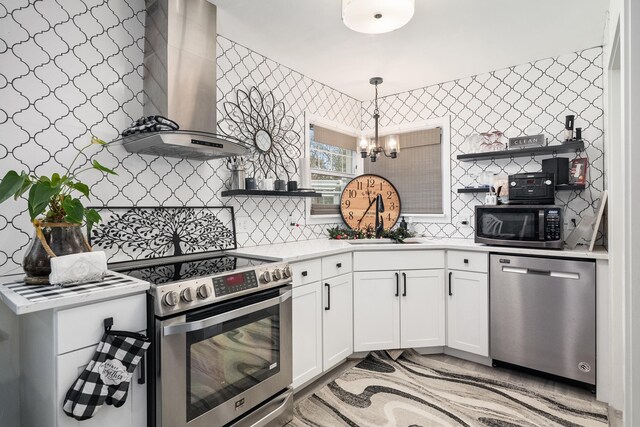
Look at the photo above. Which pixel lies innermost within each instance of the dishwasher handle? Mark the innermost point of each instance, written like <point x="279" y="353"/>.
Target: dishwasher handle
<point x="550" y="273"/>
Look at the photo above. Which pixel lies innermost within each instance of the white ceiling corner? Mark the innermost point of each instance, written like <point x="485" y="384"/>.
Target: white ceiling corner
<point x="445" y="40"/>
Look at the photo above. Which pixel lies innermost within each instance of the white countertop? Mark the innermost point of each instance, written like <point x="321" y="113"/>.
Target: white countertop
<point x="22" y="299"/>
<point x="308" y="249"/>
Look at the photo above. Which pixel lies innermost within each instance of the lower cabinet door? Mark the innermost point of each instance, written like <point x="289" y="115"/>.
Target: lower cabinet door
<point x="132" y="414"/>
<point x="307" y="332"/>
<point x="337" y="320"/>
<point x="422" y="308"/>
<point x="376" y="310"/>
<point x="468" y="312"/>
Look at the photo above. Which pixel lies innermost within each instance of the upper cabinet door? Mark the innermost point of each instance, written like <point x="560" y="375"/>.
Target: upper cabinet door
<point x="376" y="310"/>
<point x="422" y="308"/>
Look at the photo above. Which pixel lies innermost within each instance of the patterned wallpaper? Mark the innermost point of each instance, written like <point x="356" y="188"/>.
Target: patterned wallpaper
<point x="527" y="99"/>
<point x="72" y="69"/>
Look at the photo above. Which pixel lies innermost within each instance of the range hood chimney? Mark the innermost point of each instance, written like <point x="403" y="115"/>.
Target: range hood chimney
<point x="180" y="82"/>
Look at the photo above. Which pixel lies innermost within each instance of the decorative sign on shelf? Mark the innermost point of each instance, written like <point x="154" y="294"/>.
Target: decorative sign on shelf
<point x="527" y="141"/>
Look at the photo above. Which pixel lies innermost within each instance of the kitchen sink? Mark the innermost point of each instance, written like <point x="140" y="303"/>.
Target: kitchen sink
<point x="384" y="241"/>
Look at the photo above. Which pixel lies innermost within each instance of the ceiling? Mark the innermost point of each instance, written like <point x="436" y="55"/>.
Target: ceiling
<point x="445" y="40"/>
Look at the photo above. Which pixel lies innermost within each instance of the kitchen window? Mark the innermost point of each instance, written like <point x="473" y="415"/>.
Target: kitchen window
<point x="422" y="171"/>
<point x="333" y="163"/>
<point x="416" y="172"/>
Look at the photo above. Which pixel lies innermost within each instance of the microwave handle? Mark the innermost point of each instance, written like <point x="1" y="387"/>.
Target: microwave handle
<point x="181" y="328"/>
<point x="541" y="235"/>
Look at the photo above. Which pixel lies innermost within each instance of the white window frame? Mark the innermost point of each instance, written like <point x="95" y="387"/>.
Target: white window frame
<point x="309" y="119"/>
<point x="443" y="123"/>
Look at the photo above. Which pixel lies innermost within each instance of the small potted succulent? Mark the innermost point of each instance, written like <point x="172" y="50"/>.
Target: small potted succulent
<point x="55" y="211"/>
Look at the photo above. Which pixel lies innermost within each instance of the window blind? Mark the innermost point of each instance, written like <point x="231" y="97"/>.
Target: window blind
<point x="416" y="172"/>
<point x="331" y="137"/>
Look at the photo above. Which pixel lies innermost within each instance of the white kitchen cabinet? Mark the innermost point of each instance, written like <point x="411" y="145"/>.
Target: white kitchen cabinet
<point x="337" y="320"/>
<point x="307" y="332"/>
<point x="56" y="346"/>
<point x="468" y="312"/>
<point x="422" y="308"/>
<point x="376" y="311"/>
<point x="398" y="309"/>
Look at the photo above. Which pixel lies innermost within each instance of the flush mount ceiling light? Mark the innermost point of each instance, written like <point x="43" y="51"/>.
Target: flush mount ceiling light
<point x="371" y="147"/>
<point x="376" y="16"/>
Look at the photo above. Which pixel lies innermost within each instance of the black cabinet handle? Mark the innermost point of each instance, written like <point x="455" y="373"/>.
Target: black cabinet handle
<point x="143" y="372"/>
<point x="450" y="274"/>
<point x="404" y="278"/>
<point x="304" y="274"/>
<point x="339" y="265"/>
<point x="397" y="284"/>
<point x="466" y="261"/>
<point x="328" y="307"/>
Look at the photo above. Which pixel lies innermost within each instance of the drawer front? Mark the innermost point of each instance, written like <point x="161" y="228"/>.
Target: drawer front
<point x="468" y="261"/>
<point x="80" y="327"/>
<point x="336" y="265"/>
<point x="305" y="272"/>
<point x="397" y="260"/>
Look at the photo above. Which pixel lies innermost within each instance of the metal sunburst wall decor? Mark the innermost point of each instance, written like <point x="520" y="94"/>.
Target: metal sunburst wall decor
<point x="256" y="118"/>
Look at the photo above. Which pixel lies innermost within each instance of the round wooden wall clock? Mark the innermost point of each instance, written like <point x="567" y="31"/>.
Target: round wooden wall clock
<point x="360" y="197"/>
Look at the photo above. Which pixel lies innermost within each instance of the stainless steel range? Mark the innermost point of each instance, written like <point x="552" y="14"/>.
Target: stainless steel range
<point x="222" y="330"/>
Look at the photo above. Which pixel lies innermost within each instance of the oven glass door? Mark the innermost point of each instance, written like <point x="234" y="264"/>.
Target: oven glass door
<point x="520" y="224"/>
<point x="228" y="358"/>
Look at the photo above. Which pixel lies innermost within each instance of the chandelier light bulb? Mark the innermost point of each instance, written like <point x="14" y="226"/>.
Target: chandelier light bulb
<point x="376" y="16"/>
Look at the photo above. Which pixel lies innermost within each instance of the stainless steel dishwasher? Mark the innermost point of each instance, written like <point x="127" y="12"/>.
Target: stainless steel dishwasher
<point x="543" y="315"/>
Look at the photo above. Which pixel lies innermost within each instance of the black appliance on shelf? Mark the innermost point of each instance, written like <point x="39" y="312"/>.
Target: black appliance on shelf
<point x="537" y="188"/>
<point x="559" y="167"/>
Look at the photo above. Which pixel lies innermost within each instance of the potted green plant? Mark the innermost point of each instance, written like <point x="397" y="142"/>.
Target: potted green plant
<point x="55" y="211"/>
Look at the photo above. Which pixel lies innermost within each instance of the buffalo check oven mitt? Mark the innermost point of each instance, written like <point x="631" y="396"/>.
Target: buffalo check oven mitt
<point x="106" y="378"/>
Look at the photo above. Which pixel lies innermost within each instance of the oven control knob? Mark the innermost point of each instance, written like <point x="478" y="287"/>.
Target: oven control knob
<point x="187" y="295"/>
<point x="265" y="277"/>
<point x="170" y="298"/>
<point x="277" y="274"/>
<point x="204" y="291"/>
<point x="286" y="272"/>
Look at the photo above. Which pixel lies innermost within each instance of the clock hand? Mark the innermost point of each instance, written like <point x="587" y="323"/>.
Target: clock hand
<point x="365" y="212"/>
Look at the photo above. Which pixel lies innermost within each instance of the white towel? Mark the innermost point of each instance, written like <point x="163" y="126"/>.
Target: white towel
<point x="78" y="268"/>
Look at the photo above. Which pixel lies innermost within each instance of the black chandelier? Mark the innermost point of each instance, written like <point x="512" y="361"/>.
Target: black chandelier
<point x="371" y="147"/>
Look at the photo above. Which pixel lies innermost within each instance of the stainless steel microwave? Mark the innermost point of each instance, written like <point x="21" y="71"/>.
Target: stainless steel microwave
<point x="529" y="226"/>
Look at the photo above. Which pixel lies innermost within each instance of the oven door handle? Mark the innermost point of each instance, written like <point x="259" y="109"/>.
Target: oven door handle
<point x="181" y="328"/>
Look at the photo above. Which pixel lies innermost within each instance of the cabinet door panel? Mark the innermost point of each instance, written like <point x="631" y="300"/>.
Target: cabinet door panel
<point x="69" y="367"/>
<point x="376" y="317"/>
<point x="337" y="324"/>
<point x="422" y="308"/>
<point x="468" y="313"/>
<point x="307" y="332"/>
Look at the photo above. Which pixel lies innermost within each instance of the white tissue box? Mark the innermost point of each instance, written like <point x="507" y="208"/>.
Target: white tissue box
<point x="78" y="268"/>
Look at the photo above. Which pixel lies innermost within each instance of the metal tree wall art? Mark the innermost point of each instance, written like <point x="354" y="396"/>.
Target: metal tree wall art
<point x="259" y="120"/>
<point x="183" y="270"/>
<point x="141" y="233"/>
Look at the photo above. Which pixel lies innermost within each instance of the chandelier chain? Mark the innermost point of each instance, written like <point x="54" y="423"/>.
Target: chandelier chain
<point x="375" y="111"/>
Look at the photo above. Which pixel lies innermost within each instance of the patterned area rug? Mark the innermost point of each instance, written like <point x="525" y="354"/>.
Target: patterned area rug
<point x="421" y="391"/>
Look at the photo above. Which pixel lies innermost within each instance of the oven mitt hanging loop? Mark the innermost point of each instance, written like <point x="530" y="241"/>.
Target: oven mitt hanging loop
<point x="106" y="378"/>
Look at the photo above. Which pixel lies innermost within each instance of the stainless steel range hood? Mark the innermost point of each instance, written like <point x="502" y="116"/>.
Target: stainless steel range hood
<point x="180" y="82"/>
